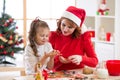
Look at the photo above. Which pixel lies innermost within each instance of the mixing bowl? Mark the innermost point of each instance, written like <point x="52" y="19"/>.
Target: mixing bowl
<point x="113" y="67"/>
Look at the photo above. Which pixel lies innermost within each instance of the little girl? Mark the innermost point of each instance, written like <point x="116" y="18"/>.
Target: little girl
<point x="39" y="50"/>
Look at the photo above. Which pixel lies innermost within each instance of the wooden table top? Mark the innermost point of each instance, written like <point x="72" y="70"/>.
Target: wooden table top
<point x="32" y="78"/>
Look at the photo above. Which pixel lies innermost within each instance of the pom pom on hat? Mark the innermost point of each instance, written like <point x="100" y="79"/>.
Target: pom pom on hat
<point x="77" y="15"/>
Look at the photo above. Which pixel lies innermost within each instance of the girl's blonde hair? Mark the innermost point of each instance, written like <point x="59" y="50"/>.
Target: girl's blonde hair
<point x="33" y="31"/>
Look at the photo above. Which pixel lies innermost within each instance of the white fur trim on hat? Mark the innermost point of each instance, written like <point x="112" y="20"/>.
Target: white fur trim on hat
<point x="72" y="17"/>
<point x="84" y="28"/>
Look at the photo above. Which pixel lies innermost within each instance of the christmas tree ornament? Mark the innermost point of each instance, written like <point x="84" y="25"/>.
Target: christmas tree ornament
<point x="5" y="52"/>
<point x="10" y="42"/>
<point x="10" y="20"/>
<point x="12" y="53"/>
<point x="0" y="35"/>
<point x="3" y="39"/>
<point x="21" y="41"/>
<point x="11" y="37"/>
<point x="16" y="37"/>
<point x="17" y="43"/>
<point x="6" y="24"/>
<point x="16" y="27"/>
<point x="1" y="46"/>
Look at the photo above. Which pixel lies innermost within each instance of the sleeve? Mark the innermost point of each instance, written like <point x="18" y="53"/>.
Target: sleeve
<point x="90" y="57"/>
<point x="48" y="48"/>
<point x="29" y="60"/>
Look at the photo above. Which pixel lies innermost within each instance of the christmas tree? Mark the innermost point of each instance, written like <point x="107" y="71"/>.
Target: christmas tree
<point x="10" y="40"/>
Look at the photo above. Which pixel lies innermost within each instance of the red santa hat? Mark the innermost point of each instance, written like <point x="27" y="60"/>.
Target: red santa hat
<point x="77" y="15"/>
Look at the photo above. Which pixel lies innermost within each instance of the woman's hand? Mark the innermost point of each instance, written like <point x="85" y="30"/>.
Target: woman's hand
<point x="64" y="60"/>
<point x="75" y="59"/>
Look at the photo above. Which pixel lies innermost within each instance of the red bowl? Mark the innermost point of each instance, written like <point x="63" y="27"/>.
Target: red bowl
<point x="113" y="67"/>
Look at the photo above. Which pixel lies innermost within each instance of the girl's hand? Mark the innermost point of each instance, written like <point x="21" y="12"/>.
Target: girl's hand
<point x="53" y="53"/>
<point x="75" y="59"/>
<point x="64" y="60"/>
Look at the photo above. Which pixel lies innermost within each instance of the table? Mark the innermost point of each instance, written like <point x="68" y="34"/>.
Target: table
<point x="6" y="69"/>
<point x="30" y="77"/>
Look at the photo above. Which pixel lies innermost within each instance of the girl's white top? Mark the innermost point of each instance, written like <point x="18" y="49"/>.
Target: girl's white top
<point x="30" y="60"/>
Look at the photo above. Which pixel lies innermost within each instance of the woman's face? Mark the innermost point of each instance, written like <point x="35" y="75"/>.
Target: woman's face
<point x="66" y="27"/>
<point x="42" y="35"/>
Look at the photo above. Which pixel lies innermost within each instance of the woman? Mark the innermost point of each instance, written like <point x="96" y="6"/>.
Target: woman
<point x="73" y="41"/>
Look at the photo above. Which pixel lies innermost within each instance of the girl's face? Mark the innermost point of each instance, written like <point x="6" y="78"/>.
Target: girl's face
<point x="42" y="35"/>
<point x="66" y="27"/>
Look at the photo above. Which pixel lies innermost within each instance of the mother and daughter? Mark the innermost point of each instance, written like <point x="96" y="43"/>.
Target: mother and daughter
<point x="67" y="48"/>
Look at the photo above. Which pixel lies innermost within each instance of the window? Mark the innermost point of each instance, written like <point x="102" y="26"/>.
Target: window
<point x="15" y="9"/>
<point x="24" y="11"/>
